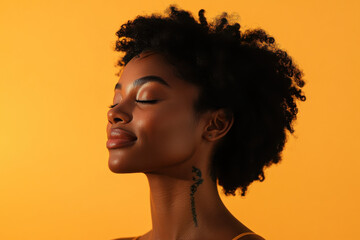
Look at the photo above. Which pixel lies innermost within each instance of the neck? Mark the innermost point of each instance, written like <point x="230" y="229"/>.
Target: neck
<point x="186" y="207"/>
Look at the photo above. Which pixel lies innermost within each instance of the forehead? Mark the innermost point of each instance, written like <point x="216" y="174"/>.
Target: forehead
<point x="151" y="63"/>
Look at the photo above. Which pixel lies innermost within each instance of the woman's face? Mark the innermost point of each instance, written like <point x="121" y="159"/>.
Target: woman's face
<point x="165" y="129"/>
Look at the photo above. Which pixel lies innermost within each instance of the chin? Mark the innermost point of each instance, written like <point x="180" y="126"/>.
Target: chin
<point x="118" y="166"/>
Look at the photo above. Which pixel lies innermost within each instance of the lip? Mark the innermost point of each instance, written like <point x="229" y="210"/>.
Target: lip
<point x="119" y="138"/>
<point x="118" y="143"/>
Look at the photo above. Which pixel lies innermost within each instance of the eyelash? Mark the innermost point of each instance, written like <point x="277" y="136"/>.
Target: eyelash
<point x="139" y="101"/>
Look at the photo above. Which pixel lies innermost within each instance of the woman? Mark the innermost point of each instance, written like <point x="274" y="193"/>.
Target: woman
<point x="199" y="104"/>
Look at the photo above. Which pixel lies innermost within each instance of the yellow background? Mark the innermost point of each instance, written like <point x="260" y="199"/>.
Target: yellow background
<point x="57" y="77"/>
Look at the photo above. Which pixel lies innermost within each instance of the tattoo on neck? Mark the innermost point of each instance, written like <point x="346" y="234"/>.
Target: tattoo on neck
<point x="198" y="180"/>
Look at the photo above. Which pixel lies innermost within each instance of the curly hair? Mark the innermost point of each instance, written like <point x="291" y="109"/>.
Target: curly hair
<point x="243" y="72"/>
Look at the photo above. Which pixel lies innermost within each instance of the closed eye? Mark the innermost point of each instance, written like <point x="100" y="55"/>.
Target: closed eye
<point x="147" y="101"/>
<point x="111" y="106"/>
<point x="139" y="101"/>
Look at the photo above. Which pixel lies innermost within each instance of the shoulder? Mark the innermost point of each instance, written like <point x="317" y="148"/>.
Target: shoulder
<point x="251" y="237"/>
<point x="128" y="238"/>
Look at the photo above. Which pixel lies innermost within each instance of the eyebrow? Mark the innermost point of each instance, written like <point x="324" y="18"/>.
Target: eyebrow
<point x="143" y="80"/>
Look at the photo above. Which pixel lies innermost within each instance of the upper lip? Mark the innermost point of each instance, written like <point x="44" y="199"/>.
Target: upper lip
<point x="121" y="133"/>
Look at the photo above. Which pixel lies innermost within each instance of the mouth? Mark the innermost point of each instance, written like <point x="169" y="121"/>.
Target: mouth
<point x="113" y="143"/>
<point x="119" y="138"/>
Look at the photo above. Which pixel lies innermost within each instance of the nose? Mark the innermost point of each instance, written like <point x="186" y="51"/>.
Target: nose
<point x="118" y="114"/>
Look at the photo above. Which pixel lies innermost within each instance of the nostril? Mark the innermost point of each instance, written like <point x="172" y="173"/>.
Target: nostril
<point x="118" y="120"/>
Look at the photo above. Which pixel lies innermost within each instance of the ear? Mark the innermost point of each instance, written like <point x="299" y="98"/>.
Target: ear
<point x="218" y="125"/>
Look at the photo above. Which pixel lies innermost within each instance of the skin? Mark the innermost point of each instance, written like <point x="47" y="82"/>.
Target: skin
<point x="173" y="150"/>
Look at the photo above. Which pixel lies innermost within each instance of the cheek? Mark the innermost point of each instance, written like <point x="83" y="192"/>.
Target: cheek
<point x="170" y="135"/>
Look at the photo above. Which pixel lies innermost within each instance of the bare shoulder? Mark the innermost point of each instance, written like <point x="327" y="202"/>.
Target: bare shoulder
<point x="145" y="236"/>
<point x="252" y="237"/>
<point x="128" y="238"/>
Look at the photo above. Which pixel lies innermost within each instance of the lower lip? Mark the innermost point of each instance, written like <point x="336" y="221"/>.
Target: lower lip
<point x="118" y="143"/>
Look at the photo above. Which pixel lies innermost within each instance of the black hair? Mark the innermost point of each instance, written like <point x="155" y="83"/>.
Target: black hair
<point x="243" y="72"/>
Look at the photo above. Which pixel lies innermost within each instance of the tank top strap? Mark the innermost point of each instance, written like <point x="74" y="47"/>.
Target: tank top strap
<point x="242" y="234"/>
